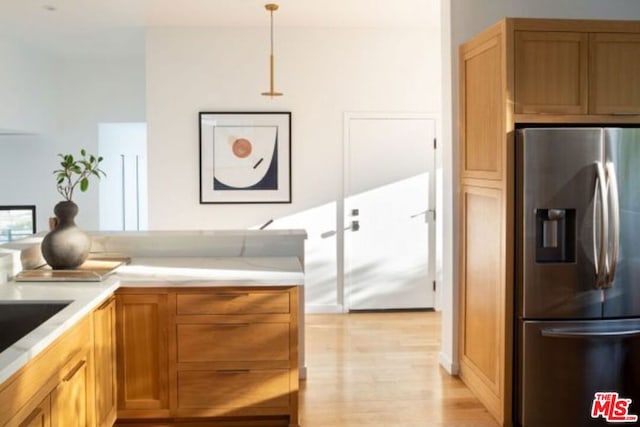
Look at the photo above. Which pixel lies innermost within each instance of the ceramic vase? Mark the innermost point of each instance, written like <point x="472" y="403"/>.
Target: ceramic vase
<point x="66" y="246"/>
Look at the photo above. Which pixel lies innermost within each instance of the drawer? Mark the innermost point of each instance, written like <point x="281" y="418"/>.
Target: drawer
<point x="233" y="389"/>
<point x="232" y="302"/>
<point x="232" y="342"/>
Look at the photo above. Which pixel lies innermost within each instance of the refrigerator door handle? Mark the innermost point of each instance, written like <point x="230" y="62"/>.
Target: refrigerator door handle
<point x="600" y="244"/>
<point x="568" y="333"/>
<point x="612" y="182"/>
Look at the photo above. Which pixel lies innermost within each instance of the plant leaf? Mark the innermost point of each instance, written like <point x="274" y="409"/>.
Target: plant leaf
<point x="84" y="184"/>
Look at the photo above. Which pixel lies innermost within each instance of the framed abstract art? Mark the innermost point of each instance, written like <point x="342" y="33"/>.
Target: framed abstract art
<point x="245" y="157"/>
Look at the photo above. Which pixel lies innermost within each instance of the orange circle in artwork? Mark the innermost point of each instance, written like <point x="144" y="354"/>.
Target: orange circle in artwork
<point x="241" y="147"/>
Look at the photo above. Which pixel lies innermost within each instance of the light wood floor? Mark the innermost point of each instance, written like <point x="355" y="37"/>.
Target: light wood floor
<point x="381" y="370"/>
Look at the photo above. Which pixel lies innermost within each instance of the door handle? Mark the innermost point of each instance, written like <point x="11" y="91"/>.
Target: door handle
<point x="426" y="213"/>
<point x="562" y="333"/>
<point x="600" y="245"/>
<point x="615" y="223"/>
<point x="354" y="226"/>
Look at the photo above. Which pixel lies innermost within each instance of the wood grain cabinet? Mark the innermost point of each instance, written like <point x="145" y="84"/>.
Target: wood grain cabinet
<point x="577" y="72"/>
<point x="522" y="72"/>
<point x="551" y="72"/>
<point x="56" y="388"/>
<point x="104" y="344"/>
<point x="614" y="73"/>
<point x="71" y="399"/>
<point x="38" y="416"/>
<point x="142" y="354"/>
<point x="226" y="354"/>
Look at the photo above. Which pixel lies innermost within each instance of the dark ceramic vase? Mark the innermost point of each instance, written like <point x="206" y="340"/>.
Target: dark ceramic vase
<point x="66" y="246"/>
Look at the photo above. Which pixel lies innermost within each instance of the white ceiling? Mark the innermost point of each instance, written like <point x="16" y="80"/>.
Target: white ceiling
<point x="116" y="27"/>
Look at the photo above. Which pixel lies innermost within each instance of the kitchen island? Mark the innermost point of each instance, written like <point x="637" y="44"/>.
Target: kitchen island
<point x="227" y="323"/>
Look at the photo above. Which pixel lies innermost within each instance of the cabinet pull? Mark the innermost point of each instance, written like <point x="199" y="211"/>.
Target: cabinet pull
<point x="32" y="416"/>
<point x="231" y="295"/>
<point x="75" y="369"/>
<point x="231" y="325"/>
<point x="233" y="371"/>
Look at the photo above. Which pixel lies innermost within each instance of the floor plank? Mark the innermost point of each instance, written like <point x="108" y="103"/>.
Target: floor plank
<point x="381" y="370"/>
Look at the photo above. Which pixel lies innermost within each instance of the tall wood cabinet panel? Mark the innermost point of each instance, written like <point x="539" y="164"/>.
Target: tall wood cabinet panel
<point x="615" y="73"/>
<point x="551" y="72"/>
<point x="482" y="301"/>
<point x="482" y="101"/>
<point x="142" y="356"/>
<point x="518" y="72"/>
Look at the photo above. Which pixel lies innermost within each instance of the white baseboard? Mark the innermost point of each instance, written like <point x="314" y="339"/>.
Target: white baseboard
<point x="449" y="365"/>
<point x="323" y="308"/>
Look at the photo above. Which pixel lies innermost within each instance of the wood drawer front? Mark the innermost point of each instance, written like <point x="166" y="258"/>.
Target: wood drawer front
<point x="233" y="342"/>
<point x="233" y="389"/>
<point x="230" y="302"/>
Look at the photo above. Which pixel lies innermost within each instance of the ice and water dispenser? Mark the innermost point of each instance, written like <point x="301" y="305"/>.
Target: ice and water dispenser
<point x="555" y="235"/>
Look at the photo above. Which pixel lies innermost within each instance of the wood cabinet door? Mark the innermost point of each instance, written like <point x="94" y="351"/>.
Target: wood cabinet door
<point x="40" y="416"/>
<point x="70" y="399"/>
<point x="483" y="295"/>
<point x="482" y="102"/>
<point x="551" y="72"/>
<point x="223" y="390"/>
<point x="142" y="356"/>
<point x="614" y="73"/>
<point x="104" y="325"/>
<point x="233" y="342"/>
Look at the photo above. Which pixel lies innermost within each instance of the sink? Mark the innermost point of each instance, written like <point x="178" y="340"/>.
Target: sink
<point x="18" y="318"/>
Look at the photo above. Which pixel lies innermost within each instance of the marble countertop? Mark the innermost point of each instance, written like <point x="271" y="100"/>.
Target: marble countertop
<point x="141" y="272"/>
<point x="220" y="271"/>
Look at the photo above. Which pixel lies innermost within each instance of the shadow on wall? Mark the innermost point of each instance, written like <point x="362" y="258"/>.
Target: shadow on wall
<point x="321" y="264"/>
<point x="394" y="217"/>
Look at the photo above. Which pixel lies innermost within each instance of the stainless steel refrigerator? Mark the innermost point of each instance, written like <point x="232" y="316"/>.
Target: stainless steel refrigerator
<point x="578" y="275"/>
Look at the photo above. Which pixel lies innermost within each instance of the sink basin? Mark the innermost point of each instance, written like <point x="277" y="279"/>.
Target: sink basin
<point x="18" y="318"/>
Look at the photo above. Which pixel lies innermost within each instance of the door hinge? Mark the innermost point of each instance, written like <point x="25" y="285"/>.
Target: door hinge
<point x="434" y="286"/>
<point x="435" y="143"/>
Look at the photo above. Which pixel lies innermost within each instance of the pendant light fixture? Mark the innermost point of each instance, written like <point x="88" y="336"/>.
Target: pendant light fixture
<point x="271" y="7"/>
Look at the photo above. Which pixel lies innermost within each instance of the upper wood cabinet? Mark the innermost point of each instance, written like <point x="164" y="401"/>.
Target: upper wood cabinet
<point x="482" y="98"/>
<point x="586" y="72"/>
<point x="614" y="73"/>
<point x="551" y="72"/>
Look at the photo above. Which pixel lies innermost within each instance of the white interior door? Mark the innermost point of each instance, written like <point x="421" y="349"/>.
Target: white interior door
<point x="123" y="192"/>
<point x="389" y="212"/>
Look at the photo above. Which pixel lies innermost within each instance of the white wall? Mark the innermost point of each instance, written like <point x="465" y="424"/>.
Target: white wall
<point x="27" y="88"/>
<point x="323" y="72"/>
<point x="77" y="95"/>
<point x="468" y="17"/>
<point x="98" y="91"/>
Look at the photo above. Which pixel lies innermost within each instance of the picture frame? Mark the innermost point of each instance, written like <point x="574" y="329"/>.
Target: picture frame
<point x="245" y="157"/>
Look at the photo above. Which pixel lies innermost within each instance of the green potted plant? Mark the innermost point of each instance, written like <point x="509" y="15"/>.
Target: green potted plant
<point x="66" y="246"/>
<point x="76" y="172"/>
